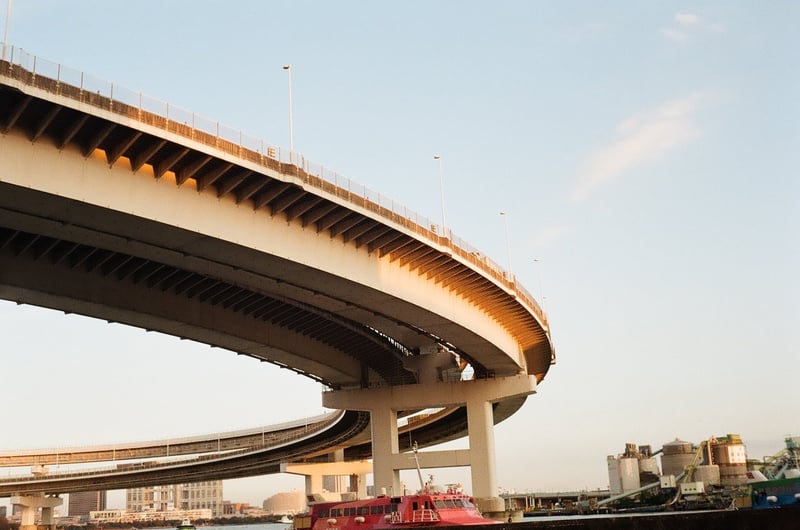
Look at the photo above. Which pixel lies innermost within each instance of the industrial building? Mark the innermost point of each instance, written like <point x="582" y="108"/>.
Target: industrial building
<point x="716" y="462"/>
<point x="714" y="473"/>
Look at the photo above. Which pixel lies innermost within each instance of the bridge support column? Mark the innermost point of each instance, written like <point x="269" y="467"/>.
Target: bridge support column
<point x="480" y="425"/>
<point x="385" y="446"/>
<point x="30" y="506"/>
<point x="313" y="483"/>
<point x="478" y="396"/>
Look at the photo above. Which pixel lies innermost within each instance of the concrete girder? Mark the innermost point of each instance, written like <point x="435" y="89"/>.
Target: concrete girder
<point x="269" y="193"/>
<point x="16" y="113"/>
<point x="210" y="177"/>
<point x="73" y="129"/>
<point x="191" y="169"/>
<point x="303" y="262"/>
<point x="167" y="163"/>
<point x="97" y="138"/>
<point x="231" y="182"/>
<point x="254" y="186"/>
<point x="113" y="156"/>
<point x="303" y="206"/>
<point x="46" y="120"/>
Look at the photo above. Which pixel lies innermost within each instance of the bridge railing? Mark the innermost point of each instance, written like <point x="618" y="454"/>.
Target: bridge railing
<point x="64" y="81"/>
<point x="272" y="440"/>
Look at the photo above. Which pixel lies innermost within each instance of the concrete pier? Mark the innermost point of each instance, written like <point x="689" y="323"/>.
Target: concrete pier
<point x="30" y="506"/>
<point x="478" y="397"/>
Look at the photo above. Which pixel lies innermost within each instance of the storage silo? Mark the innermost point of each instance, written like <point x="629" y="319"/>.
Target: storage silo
<point x="707" y="474"/>
<point x="731" y="457"/>
<point x="614" y="482"/>
<point x="649" y="465"/>
<point x="676" y="455"/>
<point x="629" y="474"/>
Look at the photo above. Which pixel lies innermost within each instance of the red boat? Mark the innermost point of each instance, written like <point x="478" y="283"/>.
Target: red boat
<point x="425" y="509"/>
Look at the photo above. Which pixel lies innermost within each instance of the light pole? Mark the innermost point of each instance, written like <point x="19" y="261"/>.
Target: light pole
<point x="508" y="244"/>
<point x="441" y="191"/>
<point x="539" y="277"/>
<point x="5" y="33"/>
<point x="288" y="68"/>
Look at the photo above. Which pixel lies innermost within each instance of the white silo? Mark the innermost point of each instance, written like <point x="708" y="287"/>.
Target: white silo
<point x="614" y="482"/>
<point x="629" y="474"/>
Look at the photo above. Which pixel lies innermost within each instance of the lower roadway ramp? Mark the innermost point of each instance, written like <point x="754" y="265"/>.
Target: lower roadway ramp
<point x="231" y="455"/>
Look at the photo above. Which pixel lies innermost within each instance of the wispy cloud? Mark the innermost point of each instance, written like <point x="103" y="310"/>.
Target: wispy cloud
<point x="685" y="24"/>
<point x="686" y="19"/>
<point x="642" y="138"/>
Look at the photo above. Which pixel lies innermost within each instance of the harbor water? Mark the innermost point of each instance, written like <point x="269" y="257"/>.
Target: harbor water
<point x="773" y="519"/>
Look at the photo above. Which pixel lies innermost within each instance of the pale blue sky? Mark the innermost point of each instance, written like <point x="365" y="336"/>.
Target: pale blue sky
<point x="646" y="152"/>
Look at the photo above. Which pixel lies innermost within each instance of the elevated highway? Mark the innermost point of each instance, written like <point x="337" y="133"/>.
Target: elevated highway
<point x="156" y="218"/>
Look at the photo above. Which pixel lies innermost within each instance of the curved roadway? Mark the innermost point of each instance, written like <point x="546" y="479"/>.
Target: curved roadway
<point x="120" y="234"/>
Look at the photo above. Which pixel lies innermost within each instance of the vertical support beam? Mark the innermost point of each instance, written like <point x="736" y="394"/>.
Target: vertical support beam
<point x="358" y="483"/>
<point x="480" y="425"/>
<point x="313" y="483"/>
<point x="335" y="483"/>
<point x="384" y="446"/>
<point x="47" y="517"/>
<point x="28" y="517"/>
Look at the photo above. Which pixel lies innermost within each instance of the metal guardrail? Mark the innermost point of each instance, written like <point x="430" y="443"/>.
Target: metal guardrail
<point x="275" y="440"/>
<point x="74" y="84"/>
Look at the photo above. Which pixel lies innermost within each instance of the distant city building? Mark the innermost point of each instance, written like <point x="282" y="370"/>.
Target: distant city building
<point x="287" y="503"/>
<point x="84" y="502"/>
<point x="242" y="509"/>
<point x="125" y="516"/>
<point x="193" y="496"/>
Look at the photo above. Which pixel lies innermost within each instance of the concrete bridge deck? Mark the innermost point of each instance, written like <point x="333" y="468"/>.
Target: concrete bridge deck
<point x="111" y="210"/>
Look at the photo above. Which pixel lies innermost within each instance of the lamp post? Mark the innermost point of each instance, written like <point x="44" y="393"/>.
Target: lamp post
<point x="441" y="191"/>
<point x="5" y="33"/>
<point x="538" y="261"/>
<point x="508" y="244"/>
<point x="288" y="68"/>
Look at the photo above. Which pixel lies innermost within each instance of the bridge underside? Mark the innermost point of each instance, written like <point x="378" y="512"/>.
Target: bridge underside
<point x="109" y="211"/>
<point x="344" y="337"/>
<point x="76" y="269"/>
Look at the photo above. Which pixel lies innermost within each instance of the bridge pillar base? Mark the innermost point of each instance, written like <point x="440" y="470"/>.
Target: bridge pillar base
<point x="492" y="507"/>
<point x="30" y="506"/>
<point x="478" y="396"/>
<point x="314" y="474"/>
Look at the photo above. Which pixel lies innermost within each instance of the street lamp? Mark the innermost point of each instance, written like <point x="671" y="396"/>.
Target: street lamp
<point x="539" y="277"/>
<point x="288" y="68"/>
<point x="441" y="191"/>
<point x="5" y="33"/>
<point x="508" y="244"/>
